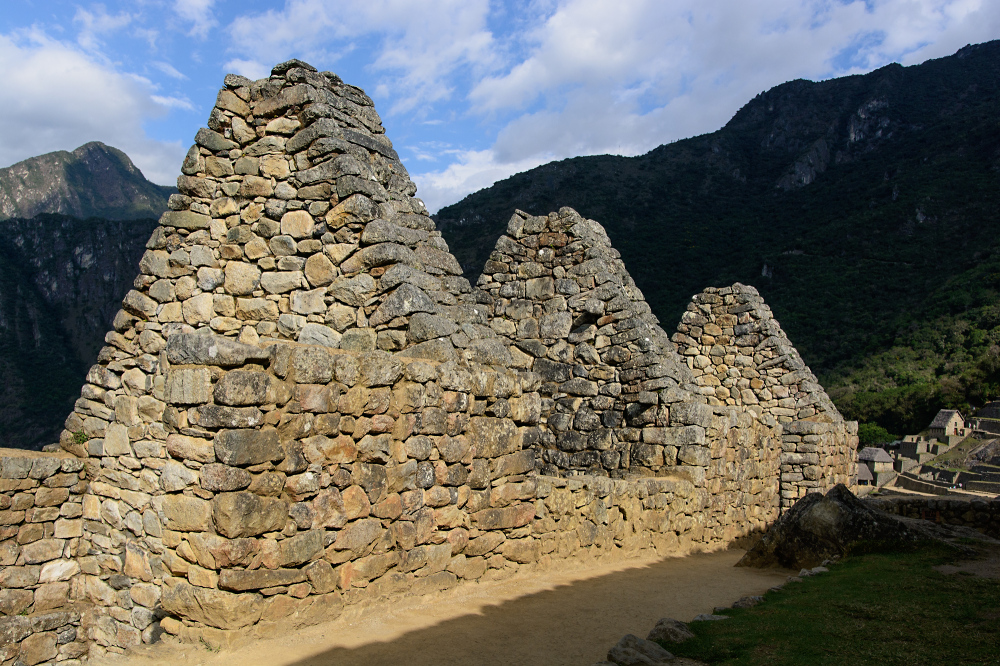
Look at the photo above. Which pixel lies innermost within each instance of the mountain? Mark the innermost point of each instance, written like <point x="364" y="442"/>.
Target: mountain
<point x="73" y="226"/>
<point x="94" y="180"/>
<point x="865" y="209"/>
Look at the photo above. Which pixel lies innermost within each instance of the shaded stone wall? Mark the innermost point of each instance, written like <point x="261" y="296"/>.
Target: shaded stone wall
<point x="41" y="559"/>
<point x="739" y="356"/>
<point x="302" y="404"/>
<point x="980" y="514"/>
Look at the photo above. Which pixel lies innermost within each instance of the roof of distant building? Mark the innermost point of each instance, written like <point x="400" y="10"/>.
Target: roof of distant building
<point x="874" y="454"/>
<point x="942" y="418"/>
<point x="865" y="474"/>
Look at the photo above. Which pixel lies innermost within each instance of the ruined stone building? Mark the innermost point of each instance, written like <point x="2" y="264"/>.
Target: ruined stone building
<point x="303" y="404"/>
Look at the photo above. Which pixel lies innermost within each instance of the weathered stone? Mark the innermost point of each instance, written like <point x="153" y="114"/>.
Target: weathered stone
<point x="822" y="527"/>
<point x="249" y="387"/>
<point x="245" y="447"/>
<point x="190" y="448"/>
<point x="634" y="651"/>
<point x="244" y="514"/>
<point x="187" y="386"/>
<point x="220" y="416"/>
<point x="405" y="300"/>
<point x="506" y="518"/>
<point x="223" y="478"/>
<point x="202" y="349"/>
<point x="184" y="514"/>
<point x="259" y="579"/>
<point x="317" y="334"/>
<point x="300" y="549"/>
<point x="494" y="437"/>
<point x="668" y="630"/>
<point x="215" y="608"/>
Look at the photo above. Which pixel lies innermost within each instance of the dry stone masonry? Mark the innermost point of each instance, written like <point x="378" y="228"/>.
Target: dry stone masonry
<point x="739" y="356"/>
<point x="303" y="405"/>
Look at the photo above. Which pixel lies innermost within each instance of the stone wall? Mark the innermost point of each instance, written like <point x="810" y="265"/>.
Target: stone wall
<point x="302" y="404"/>
<point x="739" y="356"/>
<point x="41" y="508"/>
<point x="980" y="514"/>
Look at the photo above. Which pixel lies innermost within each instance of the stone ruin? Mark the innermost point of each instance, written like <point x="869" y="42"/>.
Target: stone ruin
<point x="303" y="405"/>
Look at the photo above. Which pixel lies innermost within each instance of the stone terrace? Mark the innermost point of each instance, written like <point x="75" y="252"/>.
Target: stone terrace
<point x="303" y="405"/>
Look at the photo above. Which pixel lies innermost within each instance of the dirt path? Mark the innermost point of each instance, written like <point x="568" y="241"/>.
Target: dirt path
<point x="544" y="618"/>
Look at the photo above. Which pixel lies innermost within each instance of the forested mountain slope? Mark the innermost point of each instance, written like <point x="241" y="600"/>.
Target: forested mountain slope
<point x="865" y="210"/>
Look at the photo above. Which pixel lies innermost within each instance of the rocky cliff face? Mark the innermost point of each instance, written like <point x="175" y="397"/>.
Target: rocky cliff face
<point x="61" y="280"/>
<point x="94" y="180"/>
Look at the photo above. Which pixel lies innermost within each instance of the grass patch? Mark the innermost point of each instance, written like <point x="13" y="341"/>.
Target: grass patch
<point x="875" y="608"/>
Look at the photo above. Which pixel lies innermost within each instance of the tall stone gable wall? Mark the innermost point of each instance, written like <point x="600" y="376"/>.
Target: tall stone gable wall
<point x="302" y="404"/>
<point x="740" y="357"/>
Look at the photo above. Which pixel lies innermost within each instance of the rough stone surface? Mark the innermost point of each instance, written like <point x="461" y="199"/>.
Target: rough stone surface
<point x="820" y="527"/>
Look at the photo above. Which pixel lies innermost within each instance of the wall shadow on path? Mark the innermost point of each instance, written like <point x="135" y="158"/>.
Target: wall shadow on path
<point x="574" y="623"/>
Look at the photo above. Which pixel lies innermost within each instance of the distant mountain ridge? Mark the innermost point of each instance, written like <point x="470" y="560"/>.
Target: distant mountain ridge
<point x="95" y="180"/>
<point x="866" y="209"/>
<point x="73" y="226"/>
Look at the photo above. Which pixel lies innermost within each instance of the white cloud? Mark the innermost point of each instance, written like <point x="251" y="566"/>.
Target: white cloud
<point x="198" y="13"/>
<point x="94" y="24"/>
<point x="169" y="70"/>
<point x="418" y="45"/>
<point x="57" y="97"/>
<point x="472" y="170"/>
<point x="248" y="68"/>
<point x="596" y="77"/>
<point x="173" y="102"/>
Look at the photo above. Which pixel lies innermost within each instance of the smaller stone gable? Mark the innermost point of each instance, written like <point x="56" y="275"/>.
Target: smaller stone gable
<point x="740" y="356"/>
<point x="560" y="294"/>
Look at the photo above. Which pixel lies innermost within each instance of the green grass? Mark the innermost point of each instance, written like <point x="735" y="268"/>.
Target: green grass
<point x="878" y="608"/>
<point x="957" y="454"/>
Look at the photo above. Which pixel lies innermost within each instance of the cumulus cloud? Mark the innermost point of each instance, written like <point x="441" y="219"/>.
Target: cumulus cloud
<point x="96" y="23"/>
<point x="58" y="97"/>
<point x="594" y="77"/>
<point x="417" y="45"/>
<point x="470" y="171"/>
<point x="198" y="13"/>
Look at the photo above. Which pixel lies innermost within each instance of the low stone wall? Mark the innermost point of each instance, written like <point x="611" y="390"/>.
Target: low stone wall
<point x="41" y="525"/>
<point x="981" y="515"/>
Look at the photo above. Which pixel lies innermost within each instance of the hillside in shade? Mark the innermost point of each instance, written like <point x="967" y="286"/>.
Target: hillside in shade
<point x="864" y="209"/>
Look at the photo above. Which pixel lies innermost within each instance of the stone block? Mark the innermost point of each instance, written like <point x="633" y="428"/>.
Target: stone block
<point x="259" y="579"/>
<point x="181" y="513"/>
<point x="190" y="448"/>
<point x="244" y="514"/>
<point x="215" y="608"/>
<point x="187" y="386"/>
<point x="246" y="446"/>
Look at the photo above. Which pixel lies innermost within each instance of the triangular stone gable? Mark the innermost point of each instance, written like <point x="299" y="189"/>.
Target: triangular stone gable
<point x="740" y="356"/>
<point x="561" y="294"/>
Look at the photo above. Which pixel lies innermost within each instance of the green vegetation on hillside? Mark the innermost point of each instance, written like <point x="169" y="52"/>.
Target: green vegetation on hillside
<point x="884" y="608"/>
<point x="864" y="209"/>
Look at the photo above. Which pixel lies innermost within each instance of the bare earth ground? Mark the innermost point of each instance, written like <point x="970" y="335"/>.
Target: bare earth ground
<point x="987" y="565"/>
<point x="571" y="615"/>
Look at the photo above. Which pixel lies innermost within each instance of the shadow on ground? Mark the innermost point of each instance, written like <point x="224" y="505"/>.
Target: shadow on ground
<point x="573" y="623"/>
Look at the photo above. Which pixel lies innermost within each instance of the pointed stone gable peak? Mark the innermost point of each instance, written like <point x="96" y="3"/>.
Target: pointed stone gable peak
<point x="293" y="205"/>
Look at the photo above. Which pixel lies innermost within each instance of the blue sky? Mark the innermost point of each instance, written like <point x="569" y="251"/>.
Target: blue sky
<point x="470" y="91"/>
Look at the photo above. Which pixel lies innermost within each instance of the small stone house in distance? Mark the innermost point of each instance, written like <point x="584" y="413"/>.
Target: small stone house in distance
<point x="947" y="423"/>
<point x="878" y="462"/>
